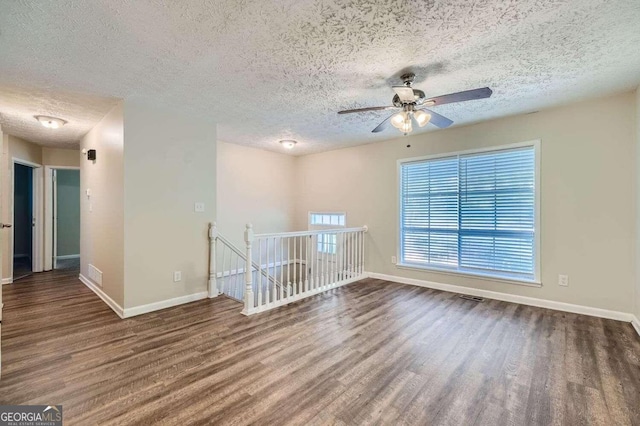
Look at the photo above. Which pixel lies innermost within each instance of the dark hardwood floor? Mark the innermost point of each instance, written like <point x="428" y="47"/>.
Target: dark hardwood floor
<point x="372" y="352"/>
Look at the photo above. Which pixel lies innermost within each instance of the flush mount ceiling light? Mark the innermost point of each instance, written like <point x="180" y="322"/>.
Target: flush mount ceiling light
<point x="50" y="122"/>
<point x="288" y="143"/>
<point x="413" y="102"/>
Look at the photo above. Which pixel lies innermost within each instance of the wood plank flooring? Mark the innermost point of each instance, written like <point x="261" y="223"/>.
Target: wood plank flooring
<point x="372" y="352"/>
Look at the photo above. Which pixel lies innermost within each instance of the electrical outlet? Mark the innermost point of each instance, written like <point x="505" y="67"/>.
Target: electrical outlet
<point x="563" y="280"/>
<point x="177" y="276"/>
<point x="198" y="207"/>
<point x="393" y="260"/>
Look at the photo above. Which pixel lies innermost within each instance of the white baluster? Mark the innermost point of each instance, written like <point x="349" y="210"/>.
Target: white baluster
<point x="340" y="256"/>
<point x="222" y="286"/>
<point x="319" y="260"/>
<point x="300" y="270"/>
<point x="212" y="286"/>
<point x="334" y="255"/>
<point x="314" y="261"/>
<point x="361" y="251"/>
<point x="267" y="252"/>
<point x="248" y="292"/>
<point x="236" y="276"/>
<point x="359" y="241"/>
<point x="363" y="248"/>
<point x="345" y="256"/>
<point x="275" y="271"/>
<point x="353" y="255"/>
<point x="289" y="260"/>
<point x="282" y="283"/>
<point x="306" y="264"/>
<point x="259" y="276"/>
<point x="359" y="261"/>
<point x="270" y="293"/>
<point x="327" y="276"/>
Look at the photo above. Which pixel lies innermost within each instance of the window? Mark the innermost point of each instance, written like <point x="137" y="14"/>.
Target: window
<point x="327" y="243"/>
<point x="327" y="219"/>
<point x="471" y="213"/>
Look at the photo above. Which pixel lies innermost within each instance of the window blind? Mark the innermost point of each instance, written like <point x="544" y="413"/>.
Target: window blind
<point x="471" y="213"/>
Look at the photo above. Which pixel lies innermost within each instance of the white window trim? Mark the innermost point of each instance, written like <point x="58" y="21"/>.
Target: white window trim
<point x="309" y="224"/>
<point x="536" y="282"/>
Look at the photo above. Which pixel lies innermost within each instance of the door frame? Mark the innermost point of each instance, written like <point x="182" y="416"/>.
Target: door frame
<point x="49" y="250"/>
<point x="36" y="236"/>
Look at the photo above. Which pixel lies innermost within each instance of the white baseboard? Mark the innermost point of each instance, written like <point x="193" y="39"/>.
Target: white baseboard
<point x="635" y="322"/>
<point x="142" y="309"/>
<point x="505" y="297"/>
<point x="68" y="256"/>
<point x="7" y="281"/>
<point x="102" y="295"/>
<point x="156" y="306"/>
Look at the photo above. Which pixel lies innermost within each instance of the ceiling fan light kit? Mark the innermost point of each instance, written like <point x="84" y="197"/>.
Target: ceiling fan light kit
<point x="413" y="102"/>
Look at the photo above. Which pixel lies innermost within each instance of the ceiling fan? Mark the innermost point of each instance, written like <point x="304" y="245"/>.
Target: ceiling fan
<point x="413" y="104"/>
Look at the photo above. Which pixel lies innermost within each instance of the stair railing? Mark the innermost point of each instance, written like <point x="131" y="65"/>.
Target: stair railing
<point x="306" y="263"/>
<point x="228" y="267"/>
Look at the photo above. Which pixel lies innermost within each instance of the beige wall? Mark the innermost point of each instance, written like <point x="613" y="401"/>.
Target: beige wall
<point x="7" y="202"/>
<point x="15" y="147"/>
<point x="254" y="186"/>
<point x="170" y="163"/>
<point x="587" y="196"/>
<point x="61" y="157"/>
<point x="24" y="150"/>
<point x="101" y="215"/>
<point x="637" y="253"/>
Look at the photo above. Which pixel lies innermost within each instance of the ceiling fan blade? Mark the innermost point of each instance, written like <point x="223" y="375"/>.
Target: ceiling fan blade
<point x="380" y="108"/>
<point x="380" y="127"/>
<point x="404" y="93"/>
<point x="467" y="95"/>
<point x="437" y="119"/>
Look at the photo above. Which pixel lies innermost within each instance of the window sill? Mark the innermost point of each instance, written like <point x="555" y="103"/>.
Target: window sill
<point x="524" y="282"/>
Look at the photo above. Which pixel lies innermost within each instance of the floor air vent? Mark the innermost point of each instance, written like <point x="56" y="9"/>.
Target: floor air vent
<point x="474" y="298"/>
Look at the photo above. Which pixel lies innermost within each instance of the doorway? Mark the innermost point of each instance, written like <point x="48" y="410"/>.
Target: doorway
<point x="23" y="221"/>
<point x="66" y="218"/>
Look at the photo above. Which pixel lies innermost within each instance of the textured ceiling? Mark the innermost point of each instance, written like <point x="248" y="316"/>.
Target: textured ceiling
<point x="19" y="105"/>
<point x="279" y="69"/>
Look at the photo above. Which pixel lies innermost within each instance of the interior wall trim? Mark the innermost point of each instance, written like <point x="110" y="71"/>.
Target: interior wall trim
<point x="505" y="297"/>
<point x="102" y="295"/>
<point x="163" y="304"/>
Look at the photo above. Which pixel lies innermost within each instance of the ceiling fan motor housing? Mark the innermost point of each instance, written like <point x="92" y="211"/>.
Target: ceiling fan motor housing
<point x="417" y="94"/>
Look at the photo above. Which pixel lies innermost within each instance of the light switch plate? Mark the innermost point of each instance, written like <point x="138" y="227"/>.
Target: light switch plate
<point x="177" y="276"/>
<point x="198" y="207"/>
<point x="563" y="280"/>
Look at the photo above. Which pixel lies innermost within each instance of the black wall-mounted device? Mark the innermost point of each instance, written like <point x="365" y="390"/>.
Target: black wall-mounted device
<point x="91" y="155"/>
